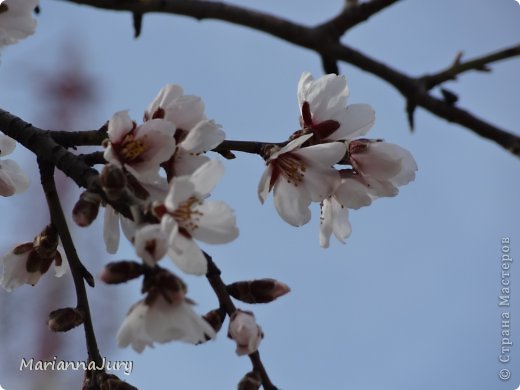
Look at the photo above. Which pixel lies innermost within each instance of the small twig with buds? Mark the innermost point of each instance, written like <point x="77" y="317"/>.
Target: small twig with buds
<point x="479" y="64"/>
<point x="79" y="272"/>
<point x="218" y="285"/>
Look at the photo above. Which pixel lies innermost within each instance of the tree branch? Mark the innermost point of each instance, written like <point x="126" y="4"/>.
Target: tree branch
<point x="76" y="267"/>
<point x="324" y="42"/>
<point x="43" y="146"/>
<point x="478" y="63"/>
<point x="352" y="14"/>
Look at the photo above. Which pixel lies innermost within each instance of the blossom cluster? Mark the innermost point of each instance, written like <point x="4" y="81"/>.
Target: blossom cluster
<point x="302" y="171"/>
<point x="156" y="186"/>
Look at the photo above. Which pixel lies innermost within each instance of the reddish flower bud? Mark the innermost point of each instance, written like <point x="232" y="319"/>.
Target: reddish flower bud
<point x="121" y="272"/>
<point x="63" y="320"/>
<point x="86" y="208"/>
<point x="250" y="381"/>
<point x="258" y="291"/>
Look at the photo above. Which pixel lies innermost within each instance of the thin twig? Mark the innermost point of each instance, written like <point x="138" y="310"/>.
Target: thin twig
<point x="218" y="285"/>
<point x="76" y="267"/>
<point x="478" y="64"/>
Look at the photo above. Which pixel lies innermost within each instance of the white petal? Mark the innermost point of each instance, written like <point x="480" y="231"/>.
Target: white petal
<point x="205" y="136"/>
<point x="60" y="270"/>
<point x="187" y="255"/>
<point x="165" y="96"/>
<point x="133" y="331"/>
<point x="320" y="183"/>
<point x="217" y="224"/>
<point x="150" y="234"/>
<point x="292" y="203"/>
<point x="355" y="121"/>
<point x="265" y="183"/>
<point x="322" y="155"/>
<point x="340" y="223"/>
<point x="17" y="23"/>
<point x="326" y="96"/>
<point x="12" y="178"/>
<point x="14" y="273"/>
<point x="305" y="81"/>
<point x="119" y="125"/>
<point x="185" y="111"/>
<point x="181" y="188"/>
<point x="7" y="145"/>
<point x="186" y="163"/>
<point x="353" y="193"/>
<point x="111" y="229"/>
<point x="206" y="177"/>
<point x="325" y="223"/>
<point x="176" y="321"/>
<point x="294" y="144"/>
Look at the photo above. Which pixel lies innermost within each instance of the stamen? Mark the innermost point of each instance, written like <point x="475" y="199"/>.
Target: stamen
<point x="291" y="167"/>
<point x="186" y="216"/>
<point x="131" y="149"/>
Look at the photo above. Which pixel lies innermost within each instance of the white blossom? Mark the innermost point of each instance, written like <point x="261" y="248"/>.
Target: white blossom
<point x="162" y="321"/>
<point x="186" y="216"/>
<point x="300" y="175"/>
<point x="15" y="264"/>
<point x="195" y="134"/>
<point x="323" y="108"/>
<point x="140" y="149"/>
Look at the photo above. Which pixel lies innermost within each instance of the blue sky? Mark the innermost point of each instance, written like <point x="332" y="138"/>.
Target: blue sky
<point x="411" y="300"/>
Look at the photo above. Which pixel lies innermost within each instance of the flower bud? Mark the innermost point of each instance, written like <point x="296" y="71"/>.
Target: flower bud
<point x="121" y="272"/>
<point x="63" y="320"/>
<point x="86" y="208"/>
<point x="245" y="331"/>
<point x="113" y="181"/>
<point x="250" y="381"/>
<point x="257" y="291"/>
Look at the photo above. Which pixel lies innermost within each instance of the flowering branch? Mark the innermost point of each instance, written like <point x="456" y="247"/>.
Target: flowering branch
<point x="218" y="285"/>
<point x="79" y="272"/>
<point x="323" y="39"/>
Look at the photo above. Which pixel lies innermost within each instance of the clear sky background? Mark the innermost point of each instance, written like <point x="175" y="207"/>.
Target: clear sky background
<point x="411" y="301"/>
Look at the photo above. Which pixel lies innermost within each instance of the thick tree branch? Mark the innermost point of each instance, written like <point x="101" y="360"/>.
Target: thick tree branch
<point x="324" y="42"/>
<point x="43" y="146"/>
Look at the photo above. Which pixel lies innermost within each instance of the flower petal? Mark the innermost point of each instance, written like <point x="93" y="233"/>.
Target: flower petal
<point x="205" y="136"/>
<point x="355" y="121"/>
<point x="217" y="224"/>
<point x="186" y="254"/>
<point x="292" y="203"/>
<point x="206" y="177"/>
<point x="265" y="183"/>
<point x="111" y="229"/>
